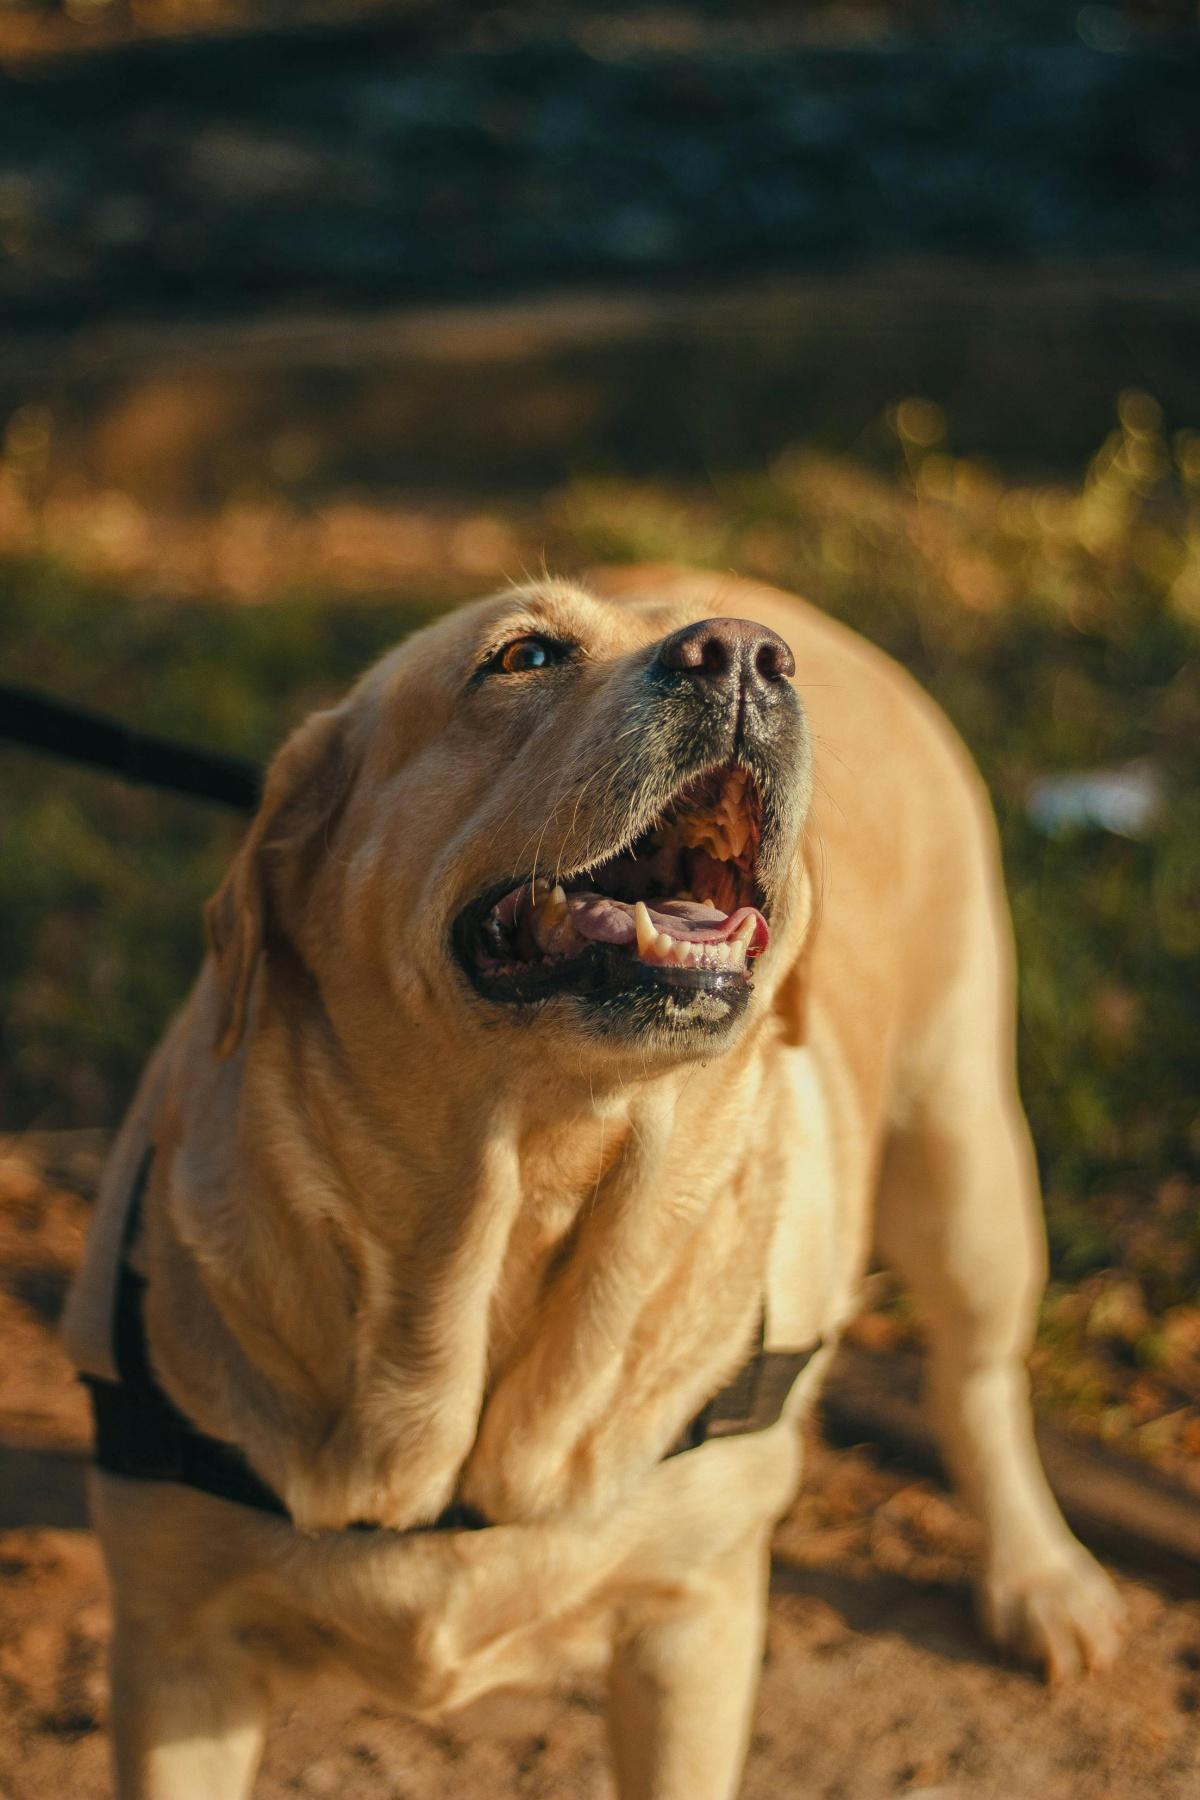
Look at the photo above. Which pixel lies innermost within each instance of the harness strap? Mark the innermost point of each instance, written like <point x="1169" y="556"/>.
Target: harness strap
<point x="753" y="1400"/>
<point x="141" y="1433"/>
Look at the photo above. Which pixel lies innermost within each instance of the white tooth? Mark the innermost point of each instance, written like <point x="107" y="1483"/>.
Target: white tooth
<point x="663" y="945"/>
<point x="721" y="954"/>
<point x="686" y="953"/>
<point x="554" y="907"/>
<point x="645" y="927"/>
<point x="745" y="930"/>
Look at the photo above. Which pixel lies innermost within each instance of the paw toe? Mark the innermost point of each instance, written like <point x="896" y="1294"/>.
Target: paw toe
<point x="1066" y="1617"/>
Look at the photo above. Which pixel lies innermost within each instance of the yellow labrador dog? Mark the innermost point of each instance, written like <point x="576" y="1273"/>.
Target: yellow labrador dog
<point x="597" y="981"/>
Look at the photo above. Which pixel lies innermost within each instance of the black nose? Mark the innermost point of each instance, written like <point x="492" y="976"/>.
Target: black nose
<point x="728" y="654"/>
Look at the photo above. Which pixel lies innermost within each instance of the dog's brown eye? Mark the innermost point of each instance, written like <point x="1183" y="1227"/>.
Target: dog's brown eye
<point x="525" y="656"/>
<point x="526" y="653"/>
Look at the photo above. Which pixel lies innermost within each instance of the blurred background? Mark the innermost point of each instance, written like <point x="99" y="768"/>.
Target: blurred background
<point x="319" y="317"/>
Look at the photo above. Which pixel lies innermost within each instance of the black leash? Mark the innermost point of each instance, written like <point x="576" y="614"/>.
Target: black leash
<point x="39" y="723"/>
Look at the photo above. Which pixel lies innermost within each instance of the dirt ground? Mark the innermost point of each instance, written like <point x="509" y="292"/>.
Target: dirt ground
<point x="876" y="1682"/>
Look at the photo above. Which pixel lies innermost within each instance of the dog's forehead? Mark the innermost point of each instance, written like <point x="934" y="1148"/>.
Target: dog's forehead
<point x="569" y="611"/>
<point x="444" y="653"/>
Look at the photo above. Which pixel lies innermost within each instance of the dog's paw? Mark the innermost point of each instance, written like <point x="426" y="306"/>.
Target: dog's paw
<point x="1065" y="1615"/>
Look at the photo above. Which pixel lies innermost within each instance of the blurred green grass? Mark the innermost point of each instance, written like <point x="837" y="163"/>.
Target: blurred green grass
<point x="101" y="883"/>
<point x="1058" y="624"/>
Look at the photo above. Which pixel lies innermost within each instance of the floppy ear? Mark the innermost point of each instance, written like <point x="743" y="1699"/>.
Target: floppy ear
<point x="305" y="785"/>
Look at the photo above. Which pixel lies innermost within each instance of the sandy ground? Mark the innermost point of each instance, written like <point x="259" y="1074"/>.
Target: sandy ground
<point x="876" y="1682"/>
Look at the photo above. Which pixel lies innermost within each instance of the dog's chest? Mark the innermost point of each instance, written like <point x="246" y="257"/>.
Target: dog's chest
<point x="560" y="1181"/>
<point x="812" y="1269"/>
<point x="540" y="1241"/>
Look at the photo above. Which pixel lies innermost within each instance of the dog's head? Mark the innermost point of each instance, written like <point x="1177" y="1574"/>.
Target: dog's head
<point x="546" y="814"/>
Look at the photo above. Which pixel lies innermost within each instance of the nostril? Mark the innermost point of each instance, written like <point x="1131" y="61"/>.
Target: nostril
<point x="697" y="650"/>
<point x="714" y="656"/>
<point x="773" y="660"/>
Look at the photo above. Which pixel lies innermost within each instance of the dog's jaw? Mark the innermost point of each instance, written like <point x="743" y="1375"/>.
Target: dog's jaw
<point x="660" y="937"/>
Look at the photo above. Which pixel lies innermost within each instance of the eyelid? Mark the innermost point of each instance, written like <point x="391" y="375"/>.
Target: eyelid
<point x="567" y="649"/>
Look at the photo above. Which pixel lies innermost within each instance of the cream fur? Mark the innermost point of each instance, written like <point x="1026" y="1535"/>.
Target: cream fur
<point x="403" y="1247"/>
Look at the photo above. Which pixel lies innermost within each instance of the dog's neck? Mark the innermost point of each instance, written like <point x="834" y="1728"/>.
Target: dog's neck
<point x="491" y="1287"/>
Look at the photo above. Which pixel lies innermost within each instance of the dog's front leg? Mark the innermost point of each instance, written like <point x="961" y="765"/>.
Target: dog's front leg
<point x="684" y="1677"/>
<point x="959" y="1217"/>
<point x="188" y="1717"/>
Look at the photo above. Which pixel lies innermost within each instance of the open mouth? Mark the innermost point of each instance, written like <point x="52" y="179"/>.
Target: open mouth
<point x="681" y="906"/>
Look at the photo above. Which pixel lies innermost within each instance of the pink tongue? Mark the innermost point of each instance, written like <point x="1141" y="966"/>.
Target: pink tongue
<point x="608" y="921"/>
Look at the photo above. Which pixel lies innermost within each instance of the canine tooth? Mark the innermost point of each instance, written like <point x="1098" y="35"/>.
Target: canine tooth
<point x="554" y="906"/>
<point x="643" y="924"/>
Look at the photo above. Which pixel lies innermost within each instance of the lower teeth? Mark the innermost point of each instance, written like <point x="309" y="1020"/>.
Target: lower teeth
<point x="545" y="930"/>
<point x="667" y="952"/>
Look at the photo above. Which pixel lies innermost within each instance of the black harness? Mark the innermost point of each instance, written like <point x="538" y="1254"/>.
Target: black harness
<point x="141" y="1433"/>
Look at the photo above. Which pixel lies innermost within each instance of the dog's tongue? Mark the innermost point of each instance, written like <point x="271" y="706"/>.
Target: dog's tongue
<point x="608" y="921"/>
